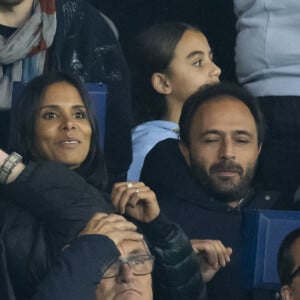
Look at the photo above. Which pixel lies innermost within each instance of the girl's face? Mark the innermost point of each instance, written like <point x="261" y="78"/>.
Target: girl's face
<point x="191" y="67"/>
<point x="62" y="128"/>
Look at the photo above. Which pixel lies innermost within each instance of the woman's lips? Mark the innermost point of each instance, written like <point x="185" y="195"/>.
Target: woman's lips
<point x="69" y="141"/>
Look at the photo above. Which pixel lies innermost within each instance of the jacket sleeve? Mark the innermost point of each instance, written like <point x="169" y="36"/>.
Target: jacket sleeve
<point x="48" y="206"/>
<point x="176" y="273"/>
<point x="79" y="269"/>
<point x="58" y="198"/>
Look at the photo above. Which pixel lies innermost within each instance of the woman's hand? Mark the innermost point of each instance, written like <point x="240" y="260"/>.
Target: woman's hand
<point x="212" y="255"/>
<point x="116" y="227"/>
<point x="136" y="200"/>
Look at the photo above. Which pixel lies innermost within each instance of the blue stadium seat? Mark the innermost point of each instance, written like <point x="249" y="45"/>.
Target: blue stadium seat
<point x="264" y="230"/>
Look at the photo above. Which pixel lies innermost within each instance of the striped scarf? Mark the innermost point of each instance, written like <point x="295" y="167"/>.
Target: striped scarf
<point x="24" y="52"/>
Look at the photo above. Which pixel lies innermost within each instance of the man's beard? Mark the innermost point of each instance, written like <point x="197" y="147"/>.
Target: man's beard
<point x="225" y="189"/>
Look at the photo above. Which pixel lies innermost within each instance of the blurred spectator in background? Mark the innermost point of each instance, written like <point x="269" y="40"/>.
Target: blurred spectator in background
<point x="268" y="64"/>
<point x="70" y="36"/>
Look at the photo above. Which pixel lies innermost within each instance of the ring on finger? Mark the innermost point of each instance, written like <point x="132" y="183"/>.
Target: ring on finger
<point x="129" y="185"/>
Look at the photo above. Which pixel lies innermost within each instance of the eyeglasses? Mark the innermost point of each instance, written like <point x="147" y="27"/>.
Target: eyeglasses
<point x="295" y="273"/>
<point x="140" y="265"/>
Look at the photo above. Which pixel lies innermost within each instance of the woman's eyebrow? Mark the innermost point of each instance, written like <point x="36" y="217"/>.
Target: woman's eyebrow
<point x="195" y="53"/>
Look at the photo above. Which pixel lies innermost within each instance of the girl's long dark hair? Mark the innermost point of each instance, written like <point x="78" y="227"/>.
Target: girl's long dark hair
<point x="154" y="52"/>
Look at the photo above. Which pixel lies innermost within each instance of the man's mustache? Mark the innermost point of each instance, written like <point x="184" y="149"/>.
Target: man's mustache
<point x="226" y="166"/>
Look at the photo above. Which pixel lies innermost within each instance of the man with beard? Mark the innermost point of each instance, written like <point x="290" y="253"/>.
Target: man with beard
<point x="203" y="181"/>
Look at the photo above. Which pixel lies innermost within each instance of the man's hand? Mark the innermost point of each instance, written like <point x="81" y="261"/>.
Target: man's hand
<point x="212" y="255"/>
<point x="116" y="227"/>
<point x="136" y="200"/>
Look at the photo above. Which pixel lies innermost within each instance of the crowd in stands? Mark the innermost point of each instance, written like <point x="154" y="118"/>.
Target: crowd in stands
<point x="158" y="211"/>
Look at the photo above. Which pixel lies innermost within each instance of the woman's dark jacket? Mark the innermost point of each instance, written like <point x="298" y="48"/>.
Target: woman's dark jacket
<point x="39" y="217"/>
<point x="43" y="210"/>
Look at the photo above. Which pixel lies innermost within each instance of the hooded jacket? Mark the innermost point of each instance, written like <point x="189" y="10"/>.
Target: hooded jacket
<point x="202" y="216"/>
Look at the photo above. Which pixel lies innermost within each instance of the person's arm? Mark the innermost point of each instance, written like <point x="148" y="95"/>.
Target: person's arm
<point x="58" y="197"/>
<point x="49" y="205"/>
<point x="176" y="272"/>
<point x="212" y="255"/>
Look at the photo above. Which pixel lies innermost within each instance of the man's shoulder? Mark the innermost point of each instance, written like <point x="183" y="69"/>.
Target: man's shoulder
<point x="165" y="146"/>
<point x="164" y="169"/>
<point x="164" y="153"/>
<point x="264" y="200"/>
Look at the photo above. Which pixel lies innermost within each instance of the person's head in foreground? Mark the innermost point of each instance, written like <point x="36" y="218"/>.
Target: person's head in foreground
<point x="54" y="120"/>
<point x="288" y="266"/>
<point x="172" y="61"/>
<point x="130" y="276"/>
<point x="221" y="131"/>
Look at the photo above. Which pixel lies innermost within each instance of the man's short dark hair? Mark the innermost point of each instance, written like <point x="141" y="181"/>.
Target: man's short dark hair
<point x="285" y="261"/>
<point x="211" y="93"/>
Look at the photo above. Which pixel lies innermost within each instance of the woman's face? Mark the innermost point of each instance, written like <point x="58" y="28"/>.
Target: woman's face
<point x="62" y="128"/>
<point x="191" y="67"/>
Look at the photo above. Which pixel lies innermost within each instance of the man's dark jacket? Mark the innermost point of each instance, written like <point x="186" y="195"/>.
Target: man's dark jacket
<point x="201" y="216"/>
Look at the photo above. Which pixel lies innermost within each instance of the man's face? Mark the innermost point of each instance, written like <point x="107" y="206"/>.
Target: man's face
<point x="223" y="147"/>
<point x="126" y="285"/>
<point x="292" y="291"/>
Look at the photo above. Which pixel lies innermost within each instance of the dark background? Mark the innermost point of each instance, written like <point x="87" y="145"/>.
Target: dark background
<point x="214" y="17"/>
